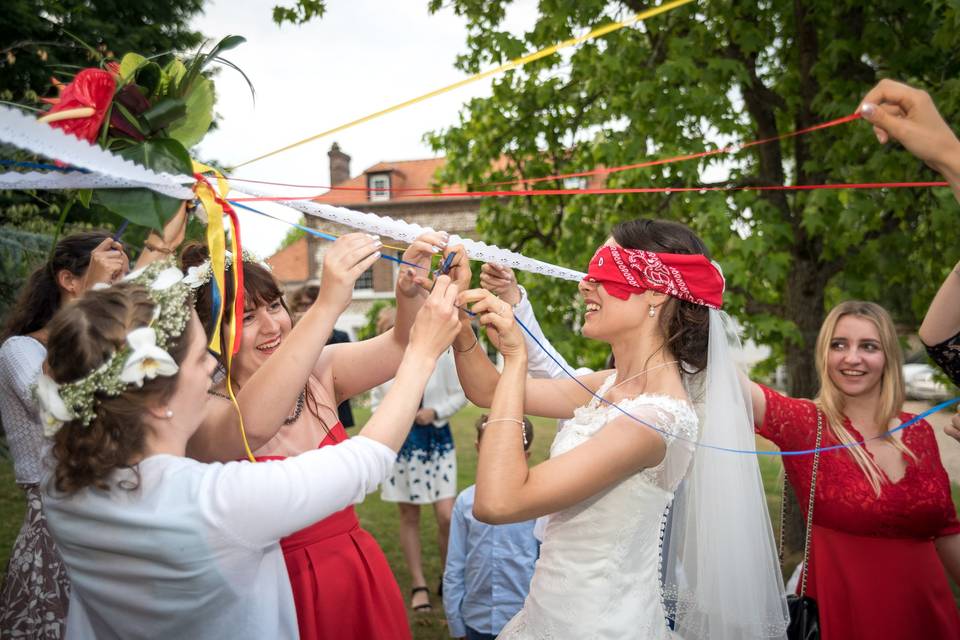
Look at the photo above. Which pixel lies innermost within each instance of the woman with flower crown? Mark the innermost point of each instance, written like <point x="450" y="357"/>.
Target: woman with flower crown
<point x="35" y="591"/>
<point x="288" y="383"/>
<point x="162" y="546"/>
<point x="614" y="473"/>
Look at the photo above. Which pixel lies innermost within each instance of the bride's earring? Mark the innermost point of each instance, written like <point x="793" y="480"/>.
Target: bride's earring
<point x="168" y="414"/>
<point x="652" y="312"/>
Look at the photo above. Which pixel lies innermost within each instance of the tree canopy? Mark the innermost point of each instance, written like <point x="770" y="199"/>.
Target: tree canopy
<point x="698" y="78"/>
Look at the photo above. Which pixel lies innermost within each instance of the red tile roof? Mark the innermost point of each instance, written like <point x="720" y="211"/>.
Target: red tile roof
<point x="290" y="264"/>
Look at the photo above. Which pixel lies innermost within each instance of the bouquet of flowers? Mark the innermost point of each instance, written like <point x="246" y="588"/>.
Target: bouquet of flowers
<point x="144" y="112"/>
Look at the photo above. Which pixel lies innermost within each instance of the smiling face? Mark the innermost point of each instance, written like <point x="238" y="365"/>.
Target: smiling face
<point x="264" y="328"/>
<point x="855" y="359"/>
<point x="608" y="316"/>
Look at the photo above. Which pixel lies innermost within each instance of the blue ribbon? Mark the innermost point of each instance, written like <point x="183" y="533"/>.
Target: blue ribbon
<point x="40" y="165"/>
<point x="801" y="452"/>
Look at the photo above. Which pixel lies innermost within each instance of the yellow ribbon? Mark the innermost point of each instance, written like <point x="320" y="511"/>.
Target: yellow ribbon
<point x="516" y="62"/>
<point x="216" y="246"/>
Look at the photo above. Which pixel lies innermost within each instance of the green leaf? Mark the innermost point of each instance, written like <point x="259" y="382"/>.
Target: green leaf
<point x="84" y="196"/>
<point x="164" y="113"/>
<point x="199" y="115"/>
<point x="173" y="73"/>
<point x="129" y="66"/>
<point x="149" y="76"/>
<point x="142" y="206"/>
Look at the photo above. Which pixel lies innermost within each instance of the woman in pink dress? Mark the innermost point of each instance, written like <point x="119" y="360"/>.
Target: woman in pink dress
<point x="288" y="383"/>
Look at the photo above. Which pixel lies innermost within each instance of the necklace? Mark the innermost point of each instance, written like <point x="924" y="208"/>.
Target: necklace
<point x="640" y="374"/>
<point x="289" y="419"/>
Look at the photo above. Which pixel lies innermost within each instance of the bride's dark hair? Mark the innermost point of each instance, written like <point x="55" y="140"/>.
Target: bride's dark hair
<point x="685" y="325"/>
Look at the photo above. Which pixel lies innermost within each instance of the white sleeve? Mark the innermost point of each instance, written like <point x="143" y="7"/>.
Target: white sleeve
<point x="20" y="366"/>
<point x="259" y="503"/>
<point x="539" y="364"/>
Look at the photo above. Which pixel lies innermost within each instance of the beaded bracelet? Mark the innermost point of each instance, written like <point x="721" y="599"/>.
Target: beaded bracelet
<point x="523" y="430"/>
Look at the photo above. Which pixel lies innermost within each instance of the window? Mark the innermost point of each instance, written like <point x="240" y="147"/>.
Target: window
<point x="365" y="281"/>
<point x="379" y="186"/>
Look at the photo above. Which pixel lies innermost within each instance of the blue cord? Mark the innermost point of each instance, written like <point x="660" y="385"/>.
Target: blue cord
<point x="802" y="452"/>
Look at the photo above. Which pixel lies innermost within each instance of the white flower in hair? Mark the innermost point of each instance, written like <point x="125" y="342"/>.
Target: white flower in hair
<point x="147" y="360"/>
<point x="53" y="411"/>
<point x="166" y="279"/>
<point x="198" y="276"/>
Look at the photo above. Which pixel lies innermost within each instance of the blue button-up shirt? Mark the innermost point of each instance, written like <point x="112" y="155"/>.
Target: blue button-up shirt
<point x="488" y="570"/>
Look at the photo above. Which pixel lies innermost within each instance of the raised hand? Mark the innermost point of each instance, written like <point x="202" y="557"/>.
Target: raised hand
<point x="496" y="316"/>
<point x="909" y="116"/>
<point x="108" y="263"/>
<point x="437" y="321"/>
<point x="420" y="253"/>
<point x="500" y="281"/>
<point x="343" y="263"/>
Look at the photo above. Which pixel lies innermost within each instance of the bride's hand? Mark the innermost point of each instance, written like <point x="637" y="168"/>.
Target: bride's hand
<point x="496" y="316"/>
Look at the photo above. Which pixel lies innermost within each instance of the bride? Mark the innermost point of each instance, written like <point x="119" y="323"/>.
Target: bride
<point x="611" y="566"/>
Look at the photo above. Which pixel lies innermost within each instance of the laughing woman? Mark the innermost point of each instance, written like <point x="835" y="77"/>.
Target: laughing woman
<point x="885" y="532"/>
<point x="288" y="384"/>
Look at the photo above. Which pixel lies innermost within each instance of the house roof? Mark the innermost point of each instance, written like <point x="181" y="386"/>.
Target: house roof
<point x="405" y="174"/>
<point x="416" y="175"/>
<point x="290" y="264"/>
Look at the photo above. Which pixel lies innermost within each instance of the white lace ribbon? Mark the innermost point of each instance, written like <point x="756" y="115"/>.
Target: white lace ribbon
<point x="408" y="232"/>
<point x="21" y="130"/>
<point x="56" y="180"/>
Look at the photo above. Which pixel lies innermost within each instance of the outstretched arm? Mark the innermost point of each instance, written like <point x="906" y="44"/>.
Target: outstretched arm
<point x="509" y="491"/>
<point x="284" y="374"/>
<point x="352" y="368"/>
<point x="908" y="115"/>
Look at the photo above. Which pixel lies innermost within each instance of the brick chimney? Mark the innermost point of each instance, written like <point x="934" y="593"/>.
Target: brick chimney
<point x="339" y="165"/>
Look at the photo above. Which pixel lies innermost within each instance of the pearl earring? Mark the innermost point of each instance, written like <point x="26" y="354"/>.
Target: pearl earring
<point x="169" y="413"/>
<point x="652" y="312"/>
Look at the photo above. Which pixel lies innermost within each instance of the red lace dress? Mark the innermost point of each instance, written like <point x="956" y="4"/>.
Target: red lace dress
<point x="874" y="570"/>
<point x="343" y="587"/>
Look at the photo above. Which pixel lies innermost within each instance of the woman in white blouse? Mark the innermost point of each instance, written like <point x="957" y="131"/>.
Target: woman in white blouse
<point x="35" y="591"/>
<point x="160" y="545"/>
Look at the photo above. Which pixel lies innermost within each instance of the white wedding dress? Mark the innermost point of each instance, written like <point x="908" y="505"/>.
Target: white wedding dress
<point x="598" y="576"/>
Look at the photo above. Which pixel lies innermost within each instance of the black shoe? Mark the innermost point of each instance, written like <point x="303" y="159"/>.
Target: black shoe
<point x="421" y="608"/>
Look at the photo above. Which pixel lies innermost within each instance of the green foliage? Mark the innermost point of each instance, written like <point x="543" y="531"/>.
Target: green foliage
<point x="20" y="253"/>
<point x="35" y="45"/>
<point x="698" y="78"/>
<point x="369" y="330"/>
<point x="301" y="12"/>
<point x="293" y="234"/>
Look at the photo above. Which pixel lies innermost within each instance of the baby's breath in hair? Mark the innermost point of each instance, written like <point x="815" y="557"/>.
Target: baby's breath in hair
<point x="172" y="304"/>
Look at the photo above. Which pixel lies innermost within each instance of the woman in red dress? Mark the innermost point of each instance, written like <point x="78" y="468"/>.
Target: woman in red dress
<point x="885" y="531"/>
<point x="288" y="384"/>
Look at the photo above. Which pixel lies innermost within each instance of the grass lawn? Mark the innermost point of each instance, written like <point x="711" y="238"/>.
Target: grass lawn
<point x="380" y="518"/>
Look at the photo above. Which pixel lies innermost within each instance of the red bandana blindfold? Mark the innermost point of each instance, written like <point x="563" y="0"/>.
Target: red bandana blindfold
<point x="623" y="272"/>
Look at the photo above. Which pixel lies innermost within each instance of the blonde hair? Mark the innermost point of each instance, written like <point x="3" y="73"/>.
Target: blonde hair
<point x="831" y="400"/>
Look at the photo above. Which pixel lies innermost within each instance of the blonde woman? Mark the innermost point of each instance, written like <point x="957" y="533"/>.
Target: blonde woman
<point x="885" y="532"/>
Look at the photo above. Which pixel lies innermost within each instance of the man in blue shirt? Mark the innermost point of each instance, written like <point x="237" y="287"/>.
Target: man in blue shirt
<point x="489" y="567"/>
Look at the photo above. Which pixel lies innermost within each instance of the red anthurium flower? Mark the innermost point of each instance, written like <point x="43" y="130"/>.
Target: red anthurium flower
<point x="83" y="104"/>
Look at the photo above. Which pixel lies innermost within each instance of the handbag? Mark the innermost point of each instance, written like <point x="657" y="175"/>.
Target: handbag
<point x="804" y="616"/>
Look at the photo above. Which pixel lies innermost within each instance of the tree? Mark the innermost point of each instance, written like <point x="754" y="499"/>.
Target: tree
<point x="694" y="79"/>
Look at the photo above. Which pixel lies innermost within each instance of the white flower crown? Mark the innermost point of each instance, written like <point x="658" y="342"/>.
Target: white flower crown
<point x="203" y="273"/>
<point x="145" y="356"/>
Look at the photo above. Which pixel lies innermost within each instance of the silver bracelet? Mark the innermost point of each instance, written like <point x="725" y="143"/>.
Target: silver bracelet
<point x="523" y="430"/>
